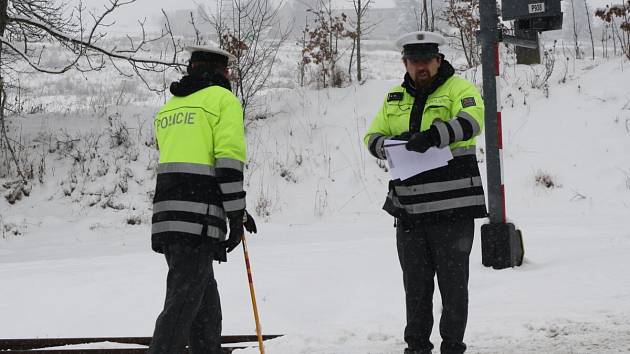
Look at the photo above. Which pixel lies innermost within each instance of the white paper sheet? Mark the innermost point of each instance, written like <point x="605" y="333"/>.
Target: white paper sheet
<point x="404" y="164"/>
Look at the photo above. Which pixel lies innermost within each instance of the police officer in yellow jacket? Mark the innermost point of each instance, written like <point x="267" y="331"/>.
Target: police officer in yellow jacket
<point x="434" y="210"/>
<point x="200" y="135"/>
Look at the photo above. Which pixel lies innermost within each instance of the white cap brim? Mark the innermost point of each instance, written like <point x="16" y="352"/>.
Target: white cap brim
<point x="420" y="37"/>
<point x="208" y="49"/>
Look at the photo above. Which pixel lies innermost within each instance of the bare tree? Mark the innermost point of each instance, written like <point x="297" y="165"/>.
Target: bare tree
<point x="420" y="16"/>
<point x="353" y="36"/>
<point x="360" y="9"/>
<point x="575" y="32"/>
<point x="605" y="37"/>
<point x="304" y="60"/>
<point x="621" y="12"/>
<point x="219" y="20"/>
<point x="590" y="30"/>
<point x="32" y="32"/>
<point x="410" y="15"/>
<point x="198" y="36"/>
<point x="432" y="28"/>
<point x="26" y="24"/>
<point x="322" y="47"/>
<point x="462" y="15"/>
<point x="425" y="15"/>
<point x="251" y="31"/>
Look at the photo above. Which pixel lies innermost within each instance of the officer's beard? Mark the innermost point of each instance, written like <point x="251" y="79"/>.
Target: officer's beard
<point x="422" y="79"/>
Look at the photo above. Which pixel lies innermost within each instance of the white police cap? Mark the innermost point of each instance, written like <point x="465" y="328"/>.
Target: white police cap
<point x="420" y="44"/>
<point x="212" y="50"/>
<point x="420" y="37"/>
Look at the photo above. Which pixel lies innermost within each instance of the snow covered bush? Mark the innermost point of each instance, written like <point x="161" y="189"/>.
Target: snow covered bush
<point x="135" y="219"/>
<point x="321" y="47"/>
<point x="10" y="230"/>
<point x="545" y="180"/>
<point x="463" y="18"/>
<point x="541" y="73"/>
<point x="321" y="201"/>
<point x="621" y="13"/>
<point x="286" y="173"/>
<point x="263" y="206"/>
<point x="119" y="133"/>
<point x="16" y="190"/>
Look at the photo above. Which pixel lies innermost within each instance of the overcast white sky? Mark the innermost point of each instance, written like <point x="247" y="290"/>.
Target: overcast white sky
<point x="128" y="14"/>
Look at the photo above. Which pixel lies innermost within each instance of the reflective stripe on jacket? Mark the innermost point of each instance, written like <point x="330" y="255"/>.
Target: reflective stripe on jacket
<point x="456" y="109"/>
<point x="200" y="173"/>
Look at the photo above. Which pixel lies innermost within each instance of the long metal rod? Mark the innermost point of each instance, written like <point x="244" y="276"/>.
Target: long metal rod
<point x="253" y="296"/>
<point x="38" y="343"/>
<point x="224" y="350"/>
<point x="87" y="351"/>
<point x="490" y="68"/>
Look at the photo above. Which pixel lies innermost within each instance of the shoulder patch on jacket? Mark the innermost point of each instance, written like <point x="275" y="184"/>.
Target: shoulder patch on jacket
<point x="394" y="96"/>
<point x="468" y="102"/>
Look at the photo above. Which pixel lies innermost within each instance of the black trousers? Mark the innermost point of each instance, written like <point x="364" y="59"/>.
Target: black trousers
<point x="425" y="251"/>
<point x="192" y="309"/>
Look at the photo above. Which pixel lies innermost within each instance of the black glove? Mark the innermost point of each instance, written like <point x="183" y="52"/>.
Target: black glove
<point x="402" y="136"/>
<point x="249" y="223"/>
<point x="237" y="224"/>
<point x="422" y="141"/>
<point x="236" y="232"/>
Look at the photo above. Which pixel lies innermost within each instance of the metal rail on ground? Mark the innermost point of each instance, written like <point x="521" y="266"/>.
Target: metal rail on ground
<point x="39" y="345"/>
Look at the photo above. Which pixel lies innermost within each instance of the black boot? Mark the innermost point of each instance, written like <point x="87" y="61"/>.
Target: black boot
<point x="417" y="351"/>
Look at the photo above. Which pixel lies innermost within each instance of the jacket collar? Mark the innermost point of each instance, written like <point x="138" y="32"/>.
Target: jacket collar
<point x="190" y="84"/>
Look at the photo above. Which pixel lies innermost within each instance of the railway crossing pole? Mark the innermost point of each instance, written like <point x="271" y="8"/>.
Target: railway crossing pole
<point x="501" y="242"/>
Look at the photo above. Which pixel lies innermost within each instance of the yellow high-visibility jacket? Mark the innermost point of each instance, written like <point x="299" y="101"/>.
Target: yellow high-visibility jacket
<point x="456" y="110"/>
<point x="200" y="173"/>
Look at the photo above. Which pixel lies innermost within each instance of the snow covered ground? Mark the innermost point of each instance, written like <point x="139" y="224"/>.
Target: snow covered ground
<point x="324" y="260"/>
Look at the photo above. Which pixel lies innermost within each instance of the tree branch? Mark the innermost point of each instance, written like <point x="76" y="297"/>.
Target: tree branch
<point x="85" y="44"/>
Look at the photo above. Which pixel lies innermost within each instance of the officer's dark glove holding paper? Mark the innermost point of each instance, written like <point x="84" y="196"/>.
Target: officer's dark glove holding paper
<point x="408" y="153"/>
<point x="420" y="141"/>
<point x="404" y="136"/>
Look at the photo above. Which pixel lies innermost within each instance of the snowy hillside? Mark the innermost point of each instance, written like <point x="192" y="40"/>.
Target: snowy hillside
<point x="75" y="257"/>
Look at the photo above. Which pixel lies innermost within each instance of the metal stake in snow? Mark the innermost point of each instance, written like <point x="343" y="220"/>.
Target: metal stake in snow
<point x="502" y="244"/>
<point x="253" y="296"/>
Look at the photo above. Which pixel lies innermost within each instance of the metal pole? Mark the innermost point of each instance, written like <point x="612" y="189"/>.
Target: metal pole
<point x="501" y="242"/>
<point x="489" y="47"/>
<point x="253" y="296"/>
<point x="497" y="73"/>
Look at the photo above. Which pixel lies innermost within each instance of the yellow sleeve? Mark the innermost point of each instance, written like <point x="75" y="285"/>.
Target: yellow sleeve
<point x="229" y="132"/>
<point x="229" y="152"/>
<point x="468" y="110"/>
<point x="378" y="131"/>
<point x="470" y="102"/>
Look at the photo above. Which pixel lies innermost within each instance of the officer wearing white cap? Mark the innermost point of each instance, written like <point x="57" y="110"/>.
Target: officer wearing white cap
<point x="200" y="135"/>
<point x="434" y="210"/>
<point x="420" y="45"/>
